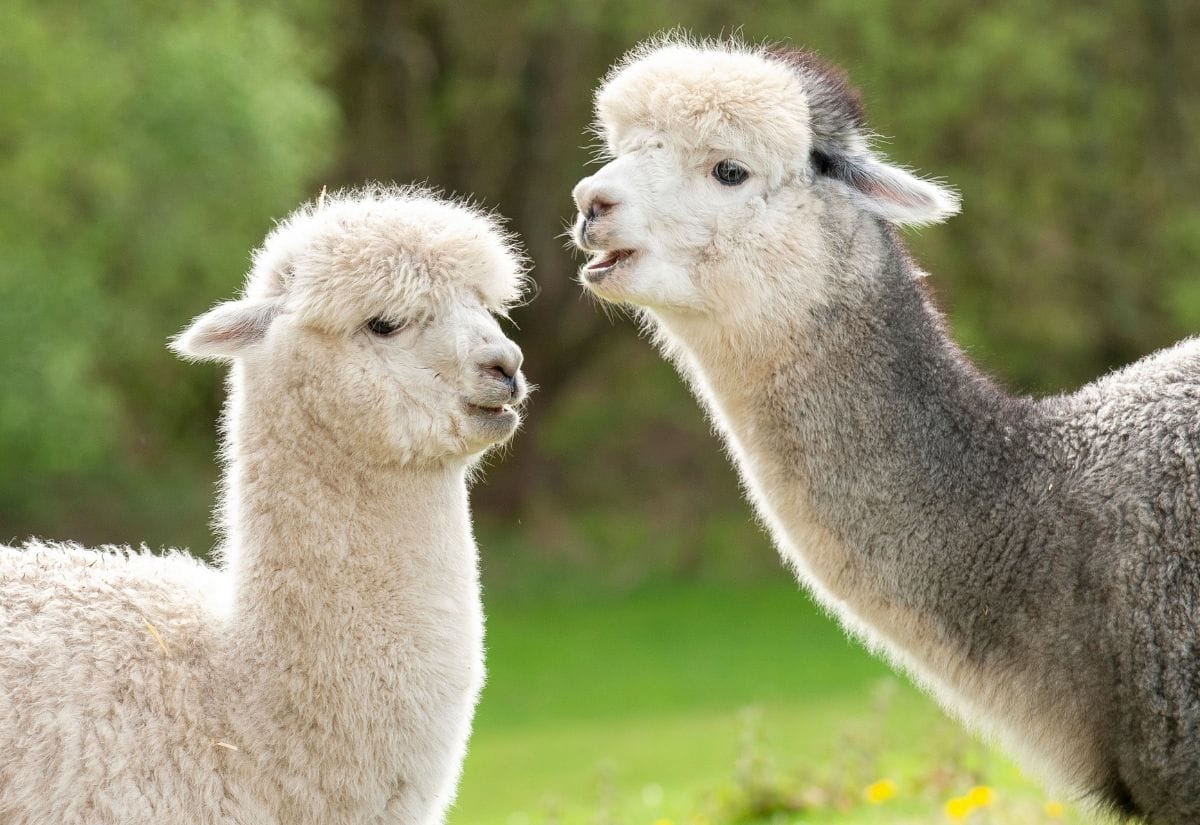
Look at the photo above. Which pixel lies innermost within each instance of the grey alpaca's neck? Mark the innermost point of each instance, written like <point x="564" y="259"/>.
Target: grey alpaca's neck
<point x="940" y="518"/>
<point x="902" y="446"/>
<point x="874" y="448"/>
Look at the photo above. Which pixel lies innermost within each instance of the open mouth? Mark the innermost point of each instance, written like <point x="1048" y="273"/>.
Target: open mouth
<point x="605" y="262"/>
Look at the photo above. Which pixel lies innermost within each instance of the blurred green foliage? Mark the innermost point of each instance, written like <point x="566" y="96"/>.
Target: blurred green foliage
<point x="145" y="148"/>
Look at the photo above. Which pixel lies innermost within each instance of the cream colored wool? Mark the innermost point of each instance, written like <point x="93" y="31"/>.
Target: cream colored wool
<point x="327" y="670"/>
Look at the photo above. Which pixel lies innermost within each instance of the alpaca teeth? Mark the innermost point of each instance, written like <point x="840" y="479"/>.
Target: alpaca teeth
<point x="611" y="259"/>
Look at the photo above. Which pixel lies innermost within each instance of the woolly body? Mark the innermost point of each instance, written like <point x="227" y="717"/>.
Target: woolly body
<point x="328" y="671"/>
<point x="1034" y="563"/>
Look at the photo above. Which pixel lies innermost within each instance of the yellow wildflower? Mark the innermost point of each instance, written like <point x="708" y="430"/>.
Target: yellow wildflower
<point x="981" y="796"/>
<point x="879" y="792"/>
<point x="959" y="808"/>
<point x="1055" y="810"/>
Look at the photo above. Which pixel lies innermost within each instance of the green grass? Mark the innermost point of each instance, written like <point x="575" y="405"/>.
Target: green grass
<point x="632" y="709"/>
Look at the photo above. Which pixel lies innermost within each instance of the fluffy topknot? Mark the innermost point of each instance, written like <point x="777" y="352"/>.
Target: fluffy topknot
<point x="785" y="110"/>
<point x="339" y="258"/>
<point x="778" y="103"/>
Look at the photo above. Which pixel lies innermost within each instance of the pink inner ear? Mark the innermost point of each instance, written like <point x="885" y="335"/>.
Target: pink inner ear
<point x="897" y="195"/>
<point x="876" y="188"/>
<point x="244" y="329"/>
<point x="225" y="330"/>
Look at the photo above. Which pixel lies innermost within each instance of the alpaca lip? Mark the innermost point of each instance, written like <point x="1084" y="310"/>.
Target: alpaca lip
<point x="492" y="424"/>
<point x="491" y="412"/>
<point x="604" y="263"/>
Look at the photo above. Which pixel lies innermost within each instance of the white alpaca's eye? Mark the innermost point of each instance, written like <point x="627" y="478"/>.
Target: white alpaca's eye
<point x="383" y="327"/>
<point x="730" y="173"/>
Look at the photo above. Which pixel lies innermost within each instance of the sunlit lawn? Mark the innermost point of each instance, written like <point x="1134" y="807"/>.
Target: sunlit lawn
<point x="633" y="710"/>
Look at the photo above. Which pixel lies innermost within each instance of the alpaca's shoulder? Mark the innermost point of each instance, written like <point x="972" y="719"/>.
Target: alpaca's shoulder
<point x="65" y="568"/>
<point x="1164" y="383"/>
<point x="1173" y="370"/>
<point x="89" y="599"/>
<point x="1137" y="429"/>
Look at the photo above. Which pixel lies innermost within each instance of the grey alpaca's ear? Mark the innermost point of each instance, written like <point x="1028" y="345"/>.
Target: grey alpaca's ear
<point x="890" y="192"/>
<point x="225" y="331"/>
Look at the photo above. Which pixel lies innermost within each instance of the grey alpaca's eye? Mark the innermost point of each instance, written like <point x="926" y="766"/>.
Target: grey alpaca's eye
<point x="730" y="173"/>
<point x="383" y="327"/>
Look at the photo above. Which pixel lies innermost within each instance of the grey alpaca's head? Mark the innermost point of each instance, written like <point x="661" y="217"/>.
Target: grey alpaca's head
<point x="726" y="159"/>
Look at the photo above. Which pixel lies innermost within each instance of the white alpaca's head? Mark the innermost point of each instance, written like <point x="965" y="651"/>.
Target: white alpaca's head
<point x="725" y="160"/>
<point x="371" y="312"/>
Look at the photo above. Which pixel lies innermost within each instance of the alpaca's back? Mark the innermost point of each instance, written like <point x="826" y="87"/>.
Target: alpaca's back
<point x="1135" y="466"/>
<point x="1129" y="451"/>
<point x="106" y="713"/>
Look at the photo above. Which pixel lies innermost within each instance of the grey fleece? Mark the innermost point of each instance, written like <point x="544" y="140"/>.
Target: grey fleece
<point x="1054" y="543"/>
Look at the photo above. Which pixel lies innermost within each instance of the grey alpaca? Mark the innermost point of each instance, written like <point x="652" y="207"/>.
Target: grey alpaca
<point x="1033" y="562"/>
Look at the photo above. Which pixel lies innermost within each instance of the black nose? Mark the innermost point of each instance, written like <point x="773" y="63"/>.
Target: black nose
<point x="503" y="364"/>
<point x="510" y="381"/>
<point x="598" y="206"/>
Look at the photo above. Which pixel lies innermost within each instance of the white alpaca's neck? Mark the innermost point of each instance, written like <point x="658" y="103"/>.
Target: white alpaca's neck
<point x="355" y="625"/>
<point x="311" y="529"/>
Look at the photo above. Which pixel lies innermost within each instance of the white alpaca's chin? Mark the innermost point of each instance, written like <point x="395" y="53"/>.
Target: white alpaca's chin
<point x="490" y="425"/>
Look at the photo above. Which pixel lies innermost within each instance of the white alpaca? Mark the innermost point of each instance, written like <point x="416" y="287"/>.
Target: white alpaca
<point x="328" y="671"/>
<point x="1036" y="563"/>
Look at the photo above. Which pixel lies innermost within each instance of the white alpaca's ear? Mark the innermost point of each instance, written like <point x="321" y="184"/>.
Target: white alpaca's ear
<point x="890" y="192"/>
<point x="226" y="330"/>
